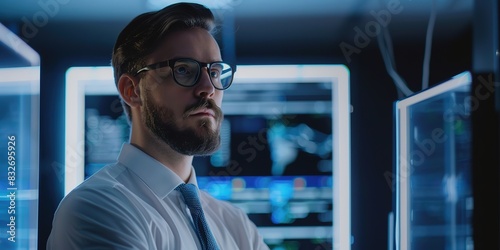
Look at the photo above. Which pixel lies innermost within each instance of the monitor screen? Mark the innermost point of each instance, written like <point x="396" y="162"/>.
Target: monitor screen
<point x="19" y="146"/>
<point x="433" y="167"/>
<point x="279" y="158"/>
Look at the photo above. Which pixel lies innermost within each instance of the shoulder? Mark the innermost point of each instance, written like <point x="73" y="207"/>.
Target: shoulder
<point x="101" y="197"/>
<point x="232" y="216"/>
<point x="91" y="193"/>
<point x="220" y="206"/>
<point x="91" y="214"/>
<point x="233" y="221"/>
<point x="91" y="199"/>
<point x="101" y="185"/>
<point x="100" y="192"/>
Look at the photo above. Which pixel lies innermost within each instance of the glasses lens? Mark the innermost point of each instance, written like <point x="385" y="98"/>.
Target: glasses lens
<point x="186" y="72"/>
<point x="221" y="75"/>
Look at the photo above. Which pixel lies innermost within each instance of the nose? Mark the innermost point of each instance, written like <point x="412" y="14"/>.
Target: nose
<point x="204" y="87"/>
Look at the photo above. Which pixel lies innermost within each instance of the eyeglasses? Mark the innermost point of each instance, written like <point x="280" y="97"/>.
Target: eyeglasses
<point x="186" y="72"/>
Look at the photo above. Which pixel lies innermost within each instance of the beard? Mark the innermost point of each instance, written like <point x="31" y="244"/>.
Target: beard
<point x="202" y="140"/>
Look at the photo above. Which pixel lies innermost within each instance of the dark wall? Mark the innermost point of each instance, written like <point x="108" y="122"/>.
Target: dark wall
<point x="63" y="45"/>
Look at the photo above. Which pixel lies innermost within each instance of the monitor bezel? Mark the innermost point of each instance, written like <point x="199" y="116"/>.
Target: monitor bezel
<point x="82" y="81"/>
<point x="403" y="172"/>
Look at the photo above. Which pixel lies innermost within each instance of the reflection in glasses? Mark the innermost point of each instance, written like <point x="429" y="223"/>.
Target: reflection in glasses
<point x="186" y="72"/>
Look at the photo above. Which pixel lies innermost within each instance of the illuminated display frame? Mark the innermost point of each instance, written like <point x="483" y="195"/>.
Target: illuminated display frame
<point x="403" y="169"/>
<point x="82" y="81"/>
<point x="21" y="80"/>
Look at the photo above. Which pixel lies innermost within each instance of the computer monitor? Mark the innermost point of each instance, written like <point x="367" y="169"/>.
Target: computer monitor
<point x="284" y="156"/>
<point x="433" y="167"/>
<point x="19" y="143"/>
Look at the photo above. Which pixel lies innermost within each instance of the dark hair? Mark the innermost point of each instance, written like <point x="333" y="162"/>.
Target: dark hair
<point x="144" y="33"/>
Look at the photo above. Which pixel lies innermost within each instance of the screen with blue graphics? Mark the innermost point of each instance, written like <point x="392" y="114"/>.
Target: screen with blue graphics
<point x="280" y="158"/>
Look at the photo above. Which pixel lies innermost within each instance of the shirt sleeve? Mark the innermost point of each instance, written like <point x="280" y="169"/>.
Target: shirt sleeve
<point x="87" y="219"/>
<point x="243" y="229"/>
<point x="255" y="238"/>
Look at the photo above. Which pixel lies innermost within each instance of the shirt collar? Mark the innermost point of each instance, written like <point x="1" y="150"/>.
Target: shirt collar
<point x="159" y="178"/>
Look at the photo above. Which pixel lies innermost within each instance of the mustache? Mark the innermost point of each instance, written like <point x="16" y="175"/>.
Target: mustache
<point x="204" y="103"/>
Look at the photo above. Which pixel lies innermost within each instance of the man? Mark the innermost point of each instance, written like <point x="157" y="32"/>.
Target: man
<point x="170" y="76"/>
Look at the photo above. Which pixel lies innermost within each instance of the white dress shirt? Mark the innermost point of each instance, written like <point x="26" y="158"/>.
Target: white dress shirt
<point x="132" y="204"/>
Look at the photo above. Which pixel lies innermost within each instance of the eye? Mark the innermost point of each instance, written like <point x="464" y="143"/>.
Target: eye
<point x="182" y="70"/>
<point x="215" y="71"/>
<point x="214" y="74"/>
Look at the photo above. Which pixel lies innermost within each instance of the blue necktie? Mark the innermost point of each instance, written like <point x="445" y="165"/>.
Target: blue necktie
<point x="190" y="194"/>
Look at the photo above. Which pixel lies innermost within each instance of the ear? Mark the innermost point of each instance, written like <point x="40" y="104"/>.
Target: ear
<point x="128" y="86"/>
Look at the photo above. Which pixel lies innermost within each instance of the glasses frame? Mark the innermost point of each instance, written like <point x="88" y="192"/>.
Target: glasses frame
<point x="170" y="63"/>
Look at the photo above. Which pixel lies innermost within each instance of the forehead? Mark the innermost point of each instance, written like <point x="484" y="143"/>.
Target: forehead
<point x="196" y="43"/>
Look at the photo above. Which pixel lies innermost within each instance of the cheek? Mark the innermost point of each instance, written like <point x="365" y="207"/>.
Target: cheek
<point x="218" y="97"/>
<point x="153" y="83"/>
<point x="161" y="98"/>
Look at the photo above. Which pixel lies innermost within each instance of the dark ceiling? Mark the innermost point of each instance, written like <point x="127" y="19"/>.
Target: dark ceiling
<point x="281" y="27"/>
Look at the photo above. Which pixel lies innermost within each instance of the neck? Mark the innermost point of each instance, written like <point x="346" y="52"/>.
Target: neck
<point x="162" y="152"/>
